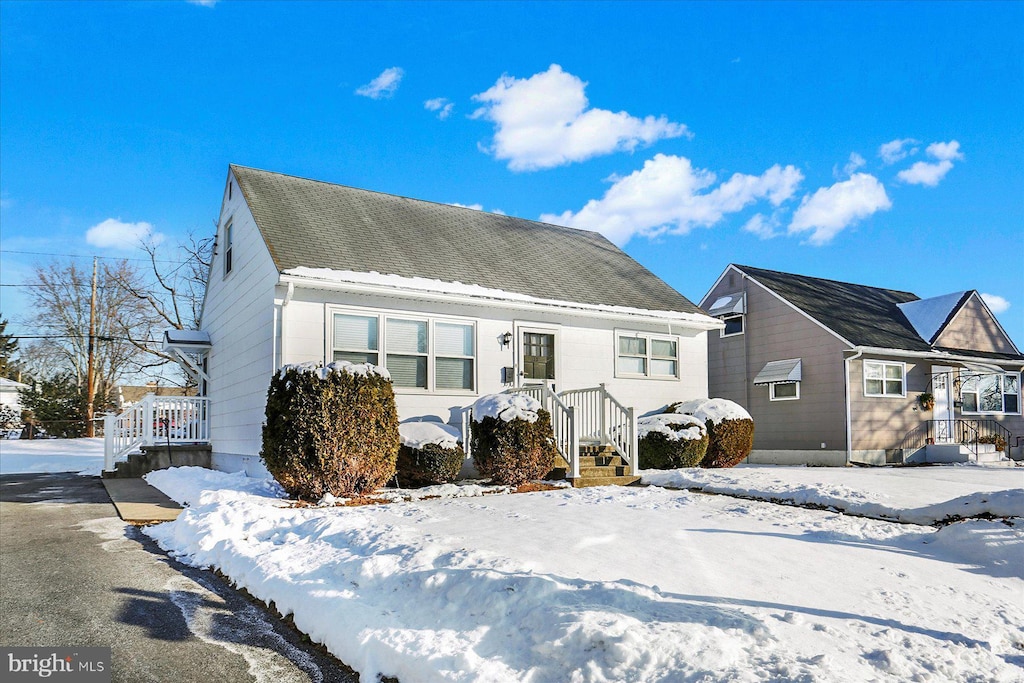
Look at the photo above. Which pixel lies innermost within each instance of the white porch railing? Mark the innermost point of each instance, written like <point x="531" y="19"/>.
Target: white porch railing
<point x="563" y="422"/>
<point x="602" y="419"/>
<point x="155" y="419"/>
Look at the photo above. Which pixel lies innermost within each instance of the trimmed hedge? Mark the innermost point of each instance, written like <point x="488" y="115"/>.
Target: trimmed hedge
<point x="516" y="451"/>
<point x="330" y="430"/>
<point x="658" y="451"/>
<point x="730" y="439"/>
<point x="430" y="464"/>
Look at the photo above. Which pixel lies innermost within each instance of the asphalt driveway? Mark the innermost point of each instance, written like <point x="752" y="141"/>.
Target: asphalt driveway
<point x="73" y="574"/>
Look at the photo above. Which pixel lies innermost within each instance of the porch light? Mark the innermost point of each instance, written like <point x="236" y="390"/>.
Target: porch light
<point x="506" y="339"/>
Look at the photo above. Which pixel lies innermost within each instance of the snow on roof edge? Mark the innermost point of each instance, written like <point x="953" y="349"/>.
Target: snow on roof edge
<point x="420" y="284"/>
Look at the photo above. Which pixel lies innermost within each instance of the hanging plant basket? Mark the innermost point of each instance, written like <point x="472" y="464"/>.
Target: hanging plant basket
<point x="926" y="400"/>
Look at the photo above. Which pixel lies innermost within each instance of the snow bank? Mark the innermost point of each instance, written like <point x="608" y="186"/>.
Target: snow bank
<point x="27" y="456"/>
<point x="714" y="409"/>
<point x="361" y="369"/>
<point x="560" y="586"/>
<point x="674" y="427"/>
<point x="506" y="407"/>
<point x="416" y="435"/>
<point x="185" y="485"/>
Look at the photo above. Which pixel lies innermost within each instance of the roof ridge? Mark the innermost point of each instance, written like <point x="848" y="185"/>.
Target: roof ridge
<point x="824" y="279"/>
<point x="417" y="199"/>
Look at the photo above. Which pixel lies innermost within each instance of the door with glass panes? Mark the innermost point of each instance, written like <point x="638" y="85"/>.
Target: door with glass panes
<point x="538" y="357"/>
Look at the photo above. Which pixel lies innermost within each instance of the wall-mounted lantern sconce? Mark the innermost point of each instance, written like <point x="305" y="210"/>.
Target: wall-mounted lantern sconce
<point x="506" y="339"/>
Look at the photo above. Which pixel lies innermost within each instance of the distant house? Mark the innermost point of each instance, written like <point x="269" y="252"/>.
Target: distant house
<point x="834" y="372"/>
<point x="9" y="393"/>
<point x="455" y="303"/>
<point x="129" y="394"/>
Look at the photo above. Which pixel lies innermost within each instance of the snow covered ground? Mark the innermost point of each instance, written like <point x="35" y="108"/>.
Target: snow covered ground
<point x="620" y="584"/>
<point x="84" y="456"/>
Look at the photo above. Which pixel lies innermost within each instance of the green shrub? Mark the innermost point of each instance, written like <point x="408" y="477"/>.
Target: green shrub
<point x="512" y="441"/>
<point x="730" y="429"/>
<point x="330" y="430"/>
<point x="428" y="465"/>
<point x="671" y="441"/>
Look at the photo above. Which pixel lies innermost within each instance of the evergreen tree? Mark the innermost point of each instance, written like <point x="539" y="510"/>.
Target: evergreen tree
<point x="57" y="408"/>
<point x="8" y="346"/>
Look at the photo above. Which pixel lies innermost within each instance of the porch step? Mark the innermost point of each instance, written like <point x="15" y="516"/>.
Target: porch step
<point x="602" y="461"/>
<point x="584" y="482"/>
<point x="159" y="458"/>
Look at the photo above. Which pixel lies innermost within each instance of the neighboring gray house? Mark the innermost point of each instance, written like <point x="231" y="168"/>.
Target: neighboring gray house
<point x="834" y="372"/>
<point x="455" y="303"/>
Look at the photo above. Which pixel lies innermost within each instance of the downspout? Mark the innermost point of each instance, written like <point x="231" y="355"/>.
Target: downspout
<point x="284" y="307"/>
<point x="849" y="400"/>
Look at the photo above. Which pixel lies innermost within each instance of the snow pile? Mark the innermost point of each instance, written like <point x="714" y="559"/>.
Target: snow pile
<point x="361" y="369"/>
<point x="918" y="495"/>
<point x="416" y="435"/>
<point x="422" y="284"/>
<point x="714" y="409"/>
<point x="674" y="427"/>
<point x="185" y="485"/>
<point x="506" y="407"/>
<point x="26" y="456"/>
<point x="490" y="589"/>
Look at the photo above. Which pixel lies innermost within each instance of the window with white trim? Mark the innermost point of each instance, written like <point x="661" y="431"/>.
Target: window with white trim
<point x="883" y="378"/>
<point x="991" y="393"/>
<point x="784" y="391"/>
<point x="228" y="238"/>
<point x="733" y="325"/>
<point x="640" y="355"/>
<point x="419" y="353"/>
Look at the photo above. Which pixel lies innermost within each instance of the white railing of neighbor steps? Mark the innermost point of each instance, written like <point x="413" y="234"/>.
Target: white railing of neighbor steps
<point x="602" y="419"/>
<point x="155" y="419"/>
<point x="563" y="422"/>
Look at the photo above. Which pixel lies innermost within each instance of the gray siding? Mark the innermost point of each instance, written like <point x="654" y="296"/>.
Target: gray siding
<point x="973" y="327"/>
<point x="775" y="331"/>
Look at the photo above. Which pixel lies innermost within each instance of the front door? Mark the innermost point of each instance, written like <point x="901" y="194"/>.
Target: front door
<point x="538" y="357"/>
<point x="942" y="413"/>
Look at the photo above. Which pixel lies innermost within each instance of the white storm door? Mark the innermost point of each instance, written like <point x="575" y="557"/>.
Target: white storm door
<point x="942" y="413"/>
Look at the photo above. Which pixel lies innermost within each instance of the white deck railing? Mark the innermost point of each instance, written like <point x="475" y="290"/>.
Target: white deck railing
<point x="602" y="419"/>
<point x="155" y="420"/>
<point x="563" y="422"/>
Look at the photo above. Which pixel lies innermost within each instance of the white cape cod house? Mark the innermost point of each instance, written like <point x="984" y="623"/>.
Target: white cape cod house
<point x="456" y="303"/>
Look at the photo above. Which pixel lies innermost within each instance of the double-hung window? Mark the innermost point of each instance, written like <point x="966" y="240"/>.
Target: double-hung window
<point x="419" y="353"/>
<point x="883" y="378"/>
<point x="991" y="393"/>
<point x="640" y="355"/>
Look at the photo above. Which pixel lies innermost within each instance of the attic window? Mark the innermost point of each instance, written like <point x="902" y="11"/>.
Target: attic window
<point x="228" y="230"/>
<point x="733" y="325"/>
<point x="230" y="188"/>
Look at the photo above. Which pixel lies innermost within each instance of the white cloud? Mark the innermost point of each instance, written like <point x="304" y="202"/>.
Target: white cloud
<point x="832" y="209"/>
<point x="203" y="3"/>
<point x="477" y="207"/>
<point x="441" y="105"/>
<point x="896" y="150"/>
<point x="382" y="86"/>
<point x="543" y="121"/>
<point x="115" y="234"/>
<point x="667" y="195"/>
<point x="762" y="226"/>
<point x="996" y="303"/>
<point x="931" y="173"/>
<point x="855" y="162"/>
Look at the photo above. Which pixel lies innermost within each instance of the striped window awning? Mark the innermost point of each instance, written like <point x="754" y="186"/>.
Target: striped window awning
<point x="778" y="371"/>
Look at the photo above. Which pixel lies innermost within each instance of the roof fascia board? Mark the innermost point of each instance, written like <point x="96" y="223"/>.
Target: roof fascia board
<point x="933" y="355"/>
<point x="692" y="320"/>
<point x="795" y="307"/>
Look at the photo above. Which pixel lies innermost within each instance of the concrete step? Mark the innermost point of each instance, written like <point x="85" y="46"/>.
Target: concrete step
<point x="159" y="458"/>
<point x="602" y="461"/>
<point x="586" y="472"/>
<point x="584" y="482"/>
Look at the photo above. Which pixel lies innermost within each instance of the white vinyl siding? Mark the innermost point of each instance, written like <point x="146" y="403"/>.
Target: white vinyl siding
<point x="882" y="378"/>
<point x="991" y="394"/>
<point x="640" y="355"/>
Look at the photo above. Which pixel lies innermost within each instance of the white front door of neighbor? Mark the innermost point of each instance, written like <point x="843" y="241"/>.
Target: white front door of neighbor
<point x="942" y="414"/>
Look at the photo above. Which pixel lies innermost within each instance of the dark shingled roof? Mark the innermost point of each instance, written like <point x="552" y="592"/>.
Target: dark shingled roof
<point x="321" y="225"/>
<point x="864" y="316"/>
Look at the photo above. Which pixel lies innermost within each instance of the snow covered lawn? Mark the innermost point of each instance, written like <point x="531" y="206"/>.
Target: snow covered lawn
<point x="616" y="584"/>
<point x="920" y="495"/>
<point x="22" y="456"/>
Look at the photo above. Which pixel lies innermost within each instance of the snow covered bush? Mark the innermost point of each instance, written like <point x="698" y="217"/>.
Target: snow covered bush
<point x="730" y="429"/>
<point x="330" y="430"/>
<point x="9" y="418"/>
<point x="668" y="442"/>
<point x="430" y="454"/>
<point x="512" y="441"/>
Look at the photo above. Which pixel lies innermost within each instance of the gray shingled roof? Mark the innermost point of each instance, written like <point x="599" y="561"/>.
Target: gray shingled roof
<point x="864" y="316"/>
<point x="322" y="225"/>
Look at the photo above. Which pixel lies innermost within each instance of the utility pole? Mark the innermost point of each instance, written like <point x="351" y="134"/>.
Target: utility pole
<point x="90" y="407"/>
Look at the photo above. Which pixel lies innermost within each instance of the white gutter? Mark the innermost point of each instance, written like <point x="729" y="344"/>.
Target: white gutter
<point x="849" y="400"/>
<point x="698" y="321"/>
<point x="933" y="355"/>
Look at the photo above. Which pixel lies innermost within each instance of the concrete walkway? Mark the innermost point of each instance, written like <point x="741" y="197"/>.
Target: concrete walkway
<point x="73" y="574"/>
<point x="139" y="503"/>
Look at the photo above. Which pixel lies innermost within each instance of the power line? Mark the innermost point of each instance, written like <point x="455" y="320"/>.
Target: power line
<point x="107" y="258"/>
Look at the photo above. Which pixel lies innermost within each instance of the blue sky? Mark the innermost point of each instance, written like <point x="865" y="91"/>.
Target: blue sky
<point x="875" y="143"/>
